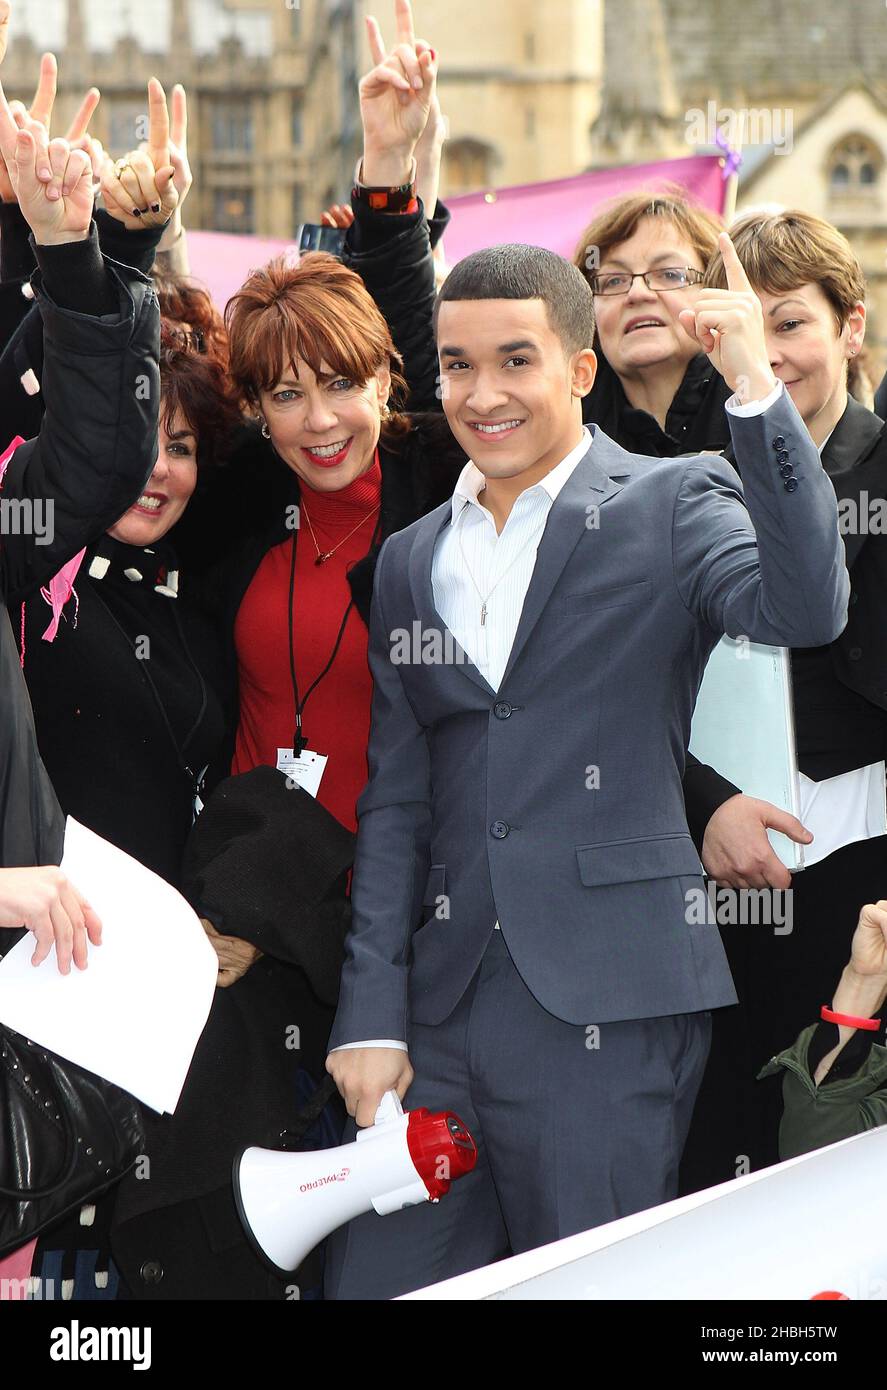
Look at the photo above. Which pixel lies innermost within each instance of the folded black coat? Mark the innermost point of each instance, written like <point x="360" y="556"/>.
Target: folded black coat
<point x="267" y="863"/>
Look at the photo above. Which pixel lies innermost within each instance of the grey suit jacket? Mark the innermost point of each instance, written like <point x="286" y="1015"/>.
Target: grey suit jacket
<point x="486" y="804"/>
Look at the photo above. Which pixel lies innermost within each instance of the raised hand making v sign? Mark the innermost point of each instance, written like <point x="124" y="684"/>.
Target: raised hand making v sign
<point x="38" y="117"/>
<point x="729" y="326"/>
<point x="138" y="189"/>
<point x="395" y="99"/>
<point x="57" y="209"/>
<point x="178" y="158"/>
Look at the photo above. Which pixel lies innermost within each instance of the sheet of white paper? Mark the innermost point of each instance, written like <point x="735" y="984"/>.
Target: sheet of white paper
<point x="843" y="809"/>
<point x="743" y="725"/>
<point x="135" y="1014"/>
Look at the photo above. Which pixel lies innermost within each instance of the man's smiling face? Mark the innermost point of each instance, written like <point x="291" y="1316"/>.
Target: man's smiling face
<point x="508" y="385"/>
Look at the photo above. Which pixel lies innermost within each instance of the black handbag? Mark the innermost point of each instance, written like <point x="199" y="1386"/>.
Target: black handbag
<point x="65" y="1136"/>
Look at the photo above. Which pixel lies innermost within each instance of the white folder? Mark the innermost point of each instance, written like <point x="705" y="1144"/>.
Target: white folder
<point x="743" y="726"/>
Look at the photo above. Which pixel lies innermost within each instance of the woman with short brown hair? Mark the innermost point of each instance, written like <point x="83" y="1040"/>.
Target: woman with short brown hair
<point x="644" y="256"/>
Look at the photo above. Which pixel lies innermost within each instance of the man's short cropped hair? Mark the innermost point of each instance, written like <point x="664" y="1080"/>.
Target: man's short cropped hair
<point x="515" y="271"/>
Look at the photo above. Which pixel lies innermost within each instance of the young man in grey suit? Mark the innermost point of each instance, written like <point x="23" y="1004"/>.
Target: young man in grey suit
<point x="537" y="646"/>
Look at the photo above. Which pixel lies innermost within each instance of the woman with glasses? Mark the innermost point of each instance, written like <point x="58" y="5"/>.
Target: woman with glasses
<point x="644" y="256"/>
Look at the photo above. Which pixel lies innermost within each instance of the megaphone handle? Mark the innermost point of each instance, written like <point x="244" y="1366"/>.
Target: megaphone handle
<point x="390" y="1108"/>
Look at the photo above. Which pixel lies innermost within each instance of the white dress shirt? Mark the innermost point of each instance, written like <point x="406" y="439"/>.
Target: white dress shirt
<point x="476" y="566"/>
<point x="470" y="545"/>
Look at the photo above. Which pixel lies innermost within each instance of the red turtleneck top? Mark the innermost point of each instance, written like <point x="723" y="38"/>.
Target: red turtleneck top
<point x="336" y="718"/>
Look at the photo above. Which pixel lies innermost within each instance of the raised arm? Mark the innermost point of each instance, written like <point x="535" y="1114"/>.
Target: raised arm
<point x="130" y="241"/>
<point x="16" y="256"/>
<point x="97" y="442"/>
<point x="762" y="558"/>
<point x="391" y="251"/>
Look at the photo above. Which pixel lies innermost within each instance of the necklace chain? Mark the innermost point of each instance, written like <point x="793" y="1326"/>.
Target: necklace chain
<point x="485" y="598"/>
<point x="325" y="555"/>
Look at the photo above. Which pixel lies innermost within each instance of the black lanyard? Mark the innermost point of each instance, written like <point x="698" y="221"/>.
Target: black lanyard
<point x="179" y="749"/>
<point x="299" y="742"/>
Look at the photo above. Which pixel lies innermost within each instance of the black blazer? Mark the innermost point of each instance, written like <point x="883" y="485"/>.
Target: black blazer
<point x="840" y="691"/>
<point x="696" y="419"/>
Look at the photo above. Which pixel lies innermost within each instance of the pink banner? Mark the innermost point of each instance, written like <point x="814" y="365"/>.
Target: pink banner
<point x="549" y="214"/>
<point x="221" y="262"/>
<point x="554" y="214"/>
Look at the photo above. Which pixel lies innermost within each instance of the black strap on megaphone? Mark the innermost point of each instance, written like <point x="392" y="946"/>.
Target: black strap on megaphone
<point x="308" y="1115"/>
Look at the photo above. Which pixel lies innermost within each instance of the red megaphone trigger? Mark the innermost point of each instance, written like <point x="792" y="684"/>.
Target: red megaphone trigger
<point x="441" y="1149"/>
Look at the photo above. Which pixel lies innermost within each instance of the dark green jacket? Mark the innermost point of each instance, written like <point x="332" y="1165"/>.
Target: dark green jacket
<point x="818" y="1115"/>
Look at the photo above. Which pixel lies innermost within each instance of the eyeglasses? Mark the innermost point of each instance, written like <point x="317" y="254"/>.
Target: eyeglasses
<point x="668" y="277"/>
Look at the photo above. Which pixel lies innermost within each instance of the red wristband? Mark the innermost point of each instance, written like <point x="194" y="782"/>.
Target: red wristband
<point x="871" y="1025"/>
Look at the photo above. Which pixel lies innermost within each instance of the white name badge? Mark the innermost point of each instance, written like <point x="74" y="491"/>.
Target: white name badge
<point x="305" y="771"/>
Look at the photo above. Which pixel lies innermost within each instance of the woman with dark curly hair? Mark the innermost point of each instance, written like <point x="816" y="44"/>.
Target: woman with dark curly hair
<point x="189" y="307"/>
<point x="128" y="696"/>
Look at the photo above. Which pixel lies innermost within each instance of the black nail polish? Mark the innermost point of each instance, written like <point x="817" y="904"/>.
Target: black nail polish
<point x="155" y="207"/>
<point x="136" y="212"/>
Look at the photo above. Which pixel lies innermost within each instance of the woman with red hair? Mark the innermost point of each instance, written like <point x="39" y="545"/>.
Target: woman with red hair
<point x="339" y="466"/>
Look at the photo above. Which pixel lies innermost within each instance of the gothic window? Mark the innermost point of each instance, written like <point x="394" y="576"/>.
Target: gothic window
<point x="232" y="126"/>
<point x="854" y="166"/>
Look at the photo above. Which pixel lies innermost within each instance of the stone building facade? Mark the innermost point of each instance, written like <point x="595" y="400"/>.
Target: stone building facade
<point x="530" y="92"/>
<point x="272" y="89"/>
<point x="803" y="83"/>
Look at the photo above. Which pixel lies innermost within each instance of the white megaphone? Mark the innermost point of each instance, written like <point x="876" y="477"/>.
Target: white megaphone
<point x="288" y="1202"/>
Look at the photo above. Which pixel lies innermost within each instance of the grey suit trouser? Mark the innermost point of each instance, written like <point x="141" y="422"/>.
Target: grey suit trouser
<point x="575" y="1126"/>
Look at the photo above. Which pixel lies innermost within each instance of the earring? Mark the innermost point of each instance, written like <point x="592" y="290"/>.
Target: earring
<point x="386" y="412"/>
<point x="266" y="433"/>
